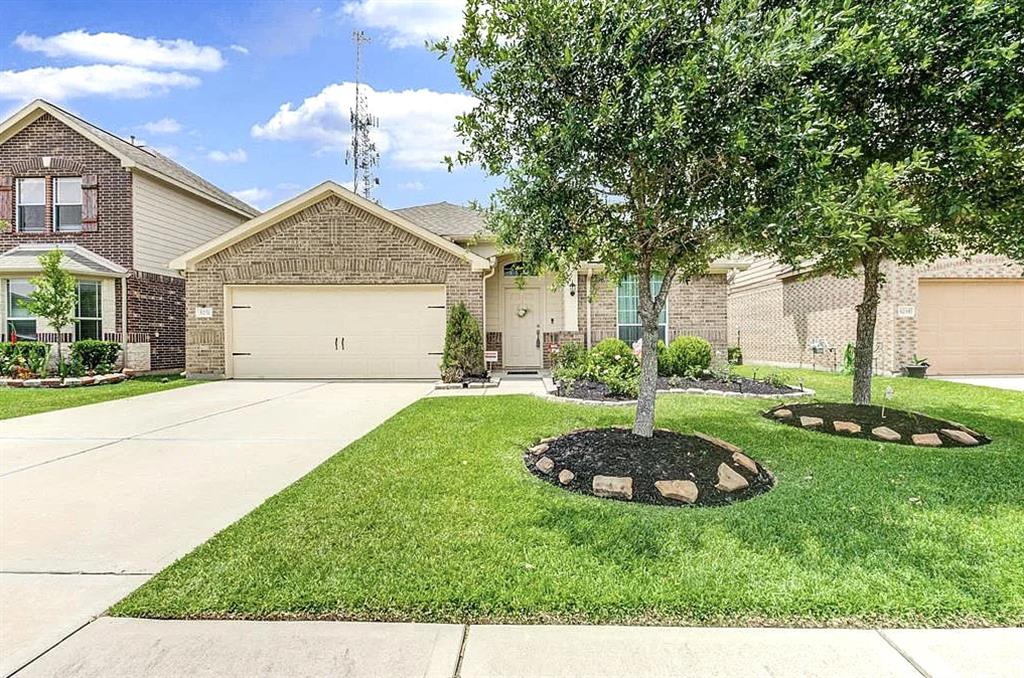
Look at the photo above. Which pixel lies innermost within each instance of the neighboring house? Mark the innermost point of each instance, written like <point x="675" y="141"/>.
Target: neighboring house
<point x="329" y="284"/>
<point x="965" y="316"/>
<point x="119" y="212"/>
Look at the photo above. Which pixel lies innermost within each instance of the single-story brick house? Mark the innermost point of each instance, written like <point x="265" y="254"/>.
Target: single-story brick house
<point x="331" y="285"/>
<point x="966" y="316"/>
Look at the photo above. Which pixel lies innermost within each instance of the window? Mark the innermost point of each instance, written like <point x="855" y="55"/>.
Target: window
<point x="88" y="311"/>
<point x="629" y="310"/>
<point x="67" y="204"/>
<point x="19" y="321"/>
<point x="31" y="213"/>
<point x="513" y="270"/>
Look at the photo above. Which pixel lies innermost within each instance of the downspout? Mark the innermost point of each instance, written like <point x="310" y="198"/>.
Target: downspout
<point x="590" y="338"/>
<point x="124" y="321"/>
<point x="494" y="269"/>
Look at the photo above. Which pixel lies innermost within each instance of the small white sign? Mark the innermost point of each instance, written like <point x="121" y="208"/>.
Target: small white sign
<point x="490" y="356"/>
<point x="906" y="311"/>
<point x="204" y="311"/>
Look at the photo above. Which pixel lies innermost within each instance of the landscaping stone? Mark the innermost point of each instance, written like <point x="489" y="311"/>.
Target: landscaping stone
<point x="811" y="422"/>
<point x="15" y="383"/>
<point x="540" y="449"/>
<point x="32" y="383"/>
<point x="72" y="381"/>
<point x="846" y="427"/>
<point x="545" y="441"/>
<point x="729" y="480"/>
<point x="962" y="437"/>
<point x="782" y="414"/>
<point x="718" y="442"/>
<point x="545" y="465"/>
<point x="680" y="490"/>
<point x="745" y="461"/>
<point x="886" y="433"/>
<point x="613" y="487"/>
<point x="88" y="381"/>
<point x="927" y="439"/>
<point x="565" y="476"/>
<point x="51" y="382"/>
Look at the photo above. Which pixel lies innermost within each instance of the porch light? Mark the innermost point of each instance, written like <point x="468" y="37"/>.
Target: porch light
<point x="572" y="289"/>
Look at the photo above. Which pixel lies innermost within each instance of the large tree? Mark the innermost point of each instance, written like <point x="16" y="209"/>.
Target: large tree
<point x="914" y="146"/>
<point x="620" y="129"/>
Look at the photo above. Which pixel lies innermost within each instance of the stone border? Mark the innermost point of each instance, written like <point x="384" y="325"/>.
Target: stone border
<point x="445" y="386"/>
<point x="70" y="382"/>
<point x="551" y="393"/>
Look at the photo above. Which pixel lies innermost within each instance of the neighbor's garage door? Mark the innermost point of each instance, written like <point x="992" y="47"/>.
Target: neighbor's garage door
<point x="971" y="326"/>
<point x="383" y="331"/>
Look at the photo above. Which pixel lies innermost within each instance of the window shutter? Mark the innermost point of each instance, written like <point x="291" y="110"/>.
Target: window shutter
<point x="90" y="202"/>
<point x="7" y="202"/>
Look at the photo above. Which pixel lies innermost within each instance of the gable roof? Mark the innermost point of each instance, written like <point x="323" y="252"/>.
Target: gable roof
<point x="454" y="222"/>
<point x="309" y="198"/>
<point x="136" y="158"/>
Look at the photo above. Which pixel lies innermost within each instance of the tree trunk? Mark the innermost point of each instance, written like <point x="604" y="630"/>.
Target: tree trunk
<point x="650" y="308"/>
<point x="867" y="315"/>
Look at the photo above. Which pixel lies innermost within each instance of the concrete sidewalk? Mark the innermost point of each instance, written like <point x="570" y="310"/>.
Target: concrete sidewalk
<point x="140" y="648"/>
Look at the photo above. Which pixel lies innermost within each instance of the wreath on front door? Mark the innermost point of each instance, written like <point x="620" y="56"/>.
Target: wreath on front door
<point x="521" y="313"/>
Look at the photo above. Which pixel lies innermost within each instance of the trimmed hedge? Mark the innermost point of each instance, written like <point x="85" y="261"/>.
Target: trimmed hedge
<point x="463" y="347"/>
<point x="687" y="357"/>
<point x="93" y="353"/>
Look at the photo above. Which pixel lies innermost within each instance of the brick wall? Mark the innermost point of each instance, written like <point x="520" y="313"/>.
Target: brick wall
<point x="777" y="321"/>
<point x="331" y="242"/>
<point x="156" y="306"/>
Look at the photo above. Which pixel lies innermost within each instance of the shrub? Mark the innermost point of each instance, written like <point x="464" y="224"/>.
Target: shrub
<point x="570" y="362"/>
<point x="613" y="363"/>
<point x="688" y="357"/>
<point x="463" y="346"/>
<point x="33" y="356"/>
<point x="92" y="354"/>
<point x="735" y="355"/>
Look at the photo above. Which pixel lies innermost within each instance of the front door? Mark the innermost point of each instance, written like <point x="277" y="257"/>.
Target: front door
<point x="521" y="343"/>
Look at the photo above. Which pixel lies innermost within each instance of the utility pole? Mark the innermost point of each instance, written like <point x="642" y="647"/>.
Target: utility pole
<point x="363" y="154"/>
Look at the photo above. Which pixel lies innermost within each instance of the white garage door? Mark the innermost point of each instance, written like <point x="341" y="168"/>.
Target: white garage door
<point x="355" y="332"/>
<point x="971" y="326"/>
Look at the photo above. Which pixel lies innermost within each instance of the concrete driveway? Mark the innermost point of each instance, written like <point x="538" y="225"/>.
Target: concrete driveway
<point x="95" y="499"/>
<point x="1008" y="382"/>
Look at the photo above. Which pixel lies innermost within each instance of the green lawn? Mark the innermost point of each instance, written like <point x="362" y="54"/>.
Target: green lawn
<point x="432" y="517"/>
<point x="18" y="402"/>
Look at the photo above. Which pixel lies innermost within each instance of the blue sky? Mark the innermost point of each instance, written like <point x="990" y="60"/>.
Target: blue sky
<point x="254" y="96"/>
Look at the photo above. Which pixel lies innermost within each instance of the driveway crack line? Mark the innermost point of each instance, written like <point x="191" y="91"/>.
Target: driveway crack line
<point x="83" y="573"/>
<point x="38" y="656"/>
<point x="910" y="660"/>
<point x="462" y="651"/>
<point x="114" y="441"/>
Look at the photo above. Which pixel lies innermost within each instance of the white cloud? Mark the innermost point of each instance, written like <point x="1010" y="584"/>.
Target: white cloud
<point x="118" y="48"/>
<point x="240" y="49"/>
<point x="237" y="155"/>
<point x="412" y="186"/>
<point x="57" y="84"/>
<point x="254" y="196"/>
<point x="416" y="126"/>
<point x="409" y="22"/>
<point x="162" y="126"/>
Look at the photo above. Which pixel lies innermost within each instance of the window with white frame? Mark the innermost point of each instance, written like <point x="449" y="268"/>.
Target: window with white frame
<point x="67" y="204"/>
<point x="20" y="322"/>
<point x="88" y="310"/>
<point x="30" y="215"/>
<point x="628" y="297"/>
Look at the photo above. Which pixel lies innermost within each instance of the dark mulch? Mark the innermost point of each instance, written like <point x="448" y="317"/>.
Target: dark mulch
<point x="666" y="456"/>
<point x="870" y="417"/>
<point x="585" y="389"/>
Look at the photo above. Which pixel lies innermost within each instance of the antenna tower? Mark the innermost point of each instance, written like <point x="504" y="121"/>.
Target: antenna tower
<point x="363" y="154"/>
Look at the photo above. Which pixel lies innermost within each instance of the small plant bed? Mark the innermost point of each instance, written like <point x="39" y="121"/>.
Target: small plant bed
<point x="867" y="422"/>
<point x="588" y="389"/>
<point x="469" y="382"/>
<point x="668" y="469"/>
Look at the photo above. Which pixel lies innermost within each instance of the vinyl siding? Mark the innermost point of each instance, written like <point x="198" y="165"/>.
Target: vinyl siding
<point x="168" y="223"/>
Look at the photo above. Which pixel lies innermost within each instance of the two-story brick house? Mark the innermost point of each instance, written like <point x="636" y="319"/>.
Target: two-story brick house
<point x="120" y="213"/>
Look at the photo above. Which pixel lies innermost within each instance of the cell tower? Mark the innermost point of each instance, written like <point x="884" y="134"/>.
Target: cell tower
<point x="363" y="155"/>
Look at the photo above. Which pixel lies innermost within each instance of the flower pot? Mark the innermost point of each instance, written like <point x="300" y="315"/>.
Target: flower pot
<point x="915" y="371"/>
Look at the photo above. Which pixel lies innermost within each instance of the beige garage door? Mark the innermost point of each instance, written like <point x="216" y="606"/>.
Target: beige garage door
<point x="971" y="326"/>
<point x="356" y="332"/>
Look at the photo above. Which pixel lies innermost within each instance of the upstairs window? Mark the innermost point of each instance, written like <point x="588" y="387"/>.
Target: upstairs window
<point x="630" y="328"/>
<point x="67" y="204"/>
<point x="88" y="311"/>
<point x="30" y="216"/>
<point x="19" y="321"/>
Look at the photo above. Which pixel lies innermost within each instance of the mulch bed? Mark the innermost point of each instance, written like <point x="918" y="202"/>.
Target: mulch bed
<point x="869" y="417"/>
<point x="666" y="456"/>
<point x="585" y="389"/>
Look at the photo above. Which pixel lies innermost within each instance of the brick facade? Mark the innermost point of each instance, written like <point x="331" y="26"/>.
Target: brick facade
<point x="156" y="305"/>
<point x="329" y="243"/>
<point x="776" y="321"/>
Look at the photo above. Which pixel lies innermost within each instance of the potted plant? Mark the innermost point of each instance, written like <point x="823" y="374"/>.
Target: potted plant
<point x="916" y="368"/>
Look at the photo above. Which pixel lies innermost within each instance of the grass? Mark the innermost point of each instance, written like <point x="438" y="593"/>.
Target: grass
<point x="19" y="402"/>
<point x="432" y="517"/>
